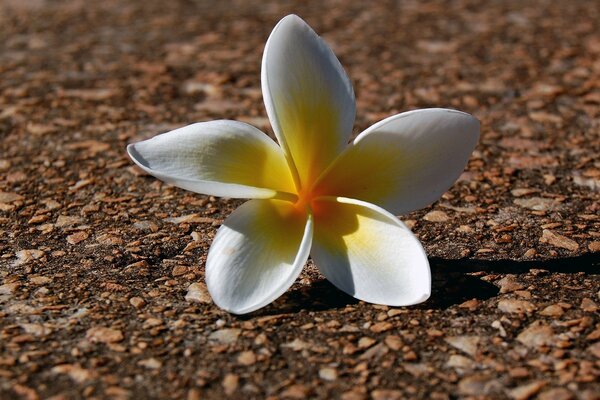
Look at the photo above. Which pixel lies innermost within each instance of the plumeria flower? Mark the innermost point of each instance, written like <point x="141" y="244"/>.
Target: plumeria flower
<point x="315" y="194"/>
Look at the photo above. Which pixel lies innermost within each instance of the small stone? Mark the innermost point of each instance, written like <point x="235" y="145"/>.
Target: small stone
<point x="470" y="304"/>
<point x="77" y="237"/>
<point x="179" y="270"/>
<point x="230" y="384"/>
<point x="75" y="372"/>
<point x="35" y="329"/>
<point x="468" y="344"/>
<point x="67" y="221"/>
<point x="594" y="246"/>
<point x="225" y="336"/>
<point x="137" y="302"/>
<point x="150" y="363"/>
<point x="40" y="280"/>
<point x="381" y="327"/>
<point x="9" y="288"/>
<point x="393" y="342"/>
<point x="536" y="203"/>
<point x="190" y="219"/>
<point x="246" y="358"/>
<point x="198" y="292"/>
<point x="374" y="352"/>
<point x="553" y="310"/>
<point x="357" y="393"/>
<point x="387" y="394"/>
<point x="194" y="394"/>
<point x="588" y="305"/>
<point x="297" y="345"/>
<point x="524" y="392"/>
<point x="558" y="240"/>
<point x="7" y="197"/>
<point x="297" y="391"/>
<point x="104" y="335"/>
<point x="509" y="284"/>
<point x="536" y="335"/>
<point x="556" y="394"/>
<point x="523" y="192"/>
<point x="328" y="374"/>
<point x="516" y="306"/>
<point x="594" y="349"/>
<point x="477" y="385"/>
<point x="436" y="216"/>
<point x="458" y="361"/>
<point x="366" y="342"/>
<point x="25" y="256"/>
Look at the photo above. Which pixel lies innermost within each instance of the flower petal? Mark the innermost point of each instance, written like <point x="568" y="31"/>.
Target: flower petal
<point x="406" y="161"/>
<point x="257" y="254"/>
<point x="368" y="253"/>
<point x="220" y="158"/>
<point x="308" y="96"/>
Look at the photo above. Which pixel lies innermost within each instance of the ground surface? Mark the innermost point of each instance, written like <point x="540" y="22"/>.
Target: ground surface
<point x="96" y="258"/>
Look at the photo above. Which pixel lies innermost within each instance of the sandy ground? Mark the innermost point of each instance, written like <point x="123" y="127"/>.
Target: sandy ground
<point x="97" y="259"/>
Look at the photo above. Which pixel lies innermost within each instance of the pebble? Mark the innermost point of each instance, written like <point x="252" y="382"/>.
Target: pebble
<point x="296" y="391"/>
<point x="366" y="342"/>
<point x="75" y="372"/>
<point x="516" y="306"/>
<point x="137" y="302"/>
<point x="536" y="203"/>
<point x="594" y="349"/>
<point x="525" y="391"/>
<point x="77" y="237"/>
<point x="477" y="385"/>
<point x="225" y="336"/>
<point x="64" y="221"/>
<point x="588" y="305"/>
<point x="104" y="335"/>
<point x="150" y="363"/>
<point x="8" y="197"/>
<point x="536" y="335"/>
<point x="25" y="256"/>
<point x="381" y="327"/>
<point x="387" y="394"/>
<point x="328" y="374"/>
<point x="458" y="361"/>
<point x="436" y="216"/>
<point x="230" y="384"/>
<point x="246" y="358"/>
<point x="556" y="394"/>
<point x="558" y="240"/>
<point x="553" y="310"/>
<point x="393" y="342"/>
<point x="509" y="284"/>
<point x="198" y="292"/>
<point x="467" y="344"/>
<point x="9" y="288"/>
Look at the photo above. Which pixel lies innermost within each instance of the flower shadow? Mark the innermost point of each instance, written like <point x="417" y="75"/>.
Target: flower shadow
<point x="453" y="282"/>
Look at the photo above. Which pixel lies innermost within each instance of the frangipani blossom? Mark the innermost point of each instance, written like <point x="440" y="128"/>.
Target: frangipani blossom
<point x="315" y="194"/>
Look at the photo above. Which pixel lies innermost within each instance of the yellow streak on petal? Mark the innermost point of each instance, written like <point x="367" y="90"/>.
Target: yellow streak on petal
<point x="249" y="162"/>
<point x="310" y="124"/>
<point x="362" y="173"/>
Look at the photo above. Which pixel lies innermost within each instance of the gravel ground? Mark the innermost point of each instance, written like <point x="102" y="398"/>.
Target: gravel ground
<point x="101" y="266"/>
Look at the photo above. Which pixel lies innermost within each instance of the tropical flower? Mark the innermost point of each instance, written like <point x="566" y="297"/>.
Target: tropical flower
<point x="314" y="194"/>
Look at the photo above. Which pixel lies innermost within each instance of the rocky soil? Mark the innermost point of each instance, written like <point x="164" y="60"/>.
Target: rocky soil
<point x="102" y="267"/>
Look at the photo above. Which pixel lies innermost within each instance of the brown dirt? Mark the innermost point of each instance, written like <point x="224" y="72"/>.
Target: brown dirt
<point x="94" y="273"/>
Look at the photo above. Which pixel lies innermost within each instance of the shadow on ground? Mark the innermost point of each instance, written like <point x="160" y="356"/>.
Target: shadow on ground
<point x="453" y="282"/>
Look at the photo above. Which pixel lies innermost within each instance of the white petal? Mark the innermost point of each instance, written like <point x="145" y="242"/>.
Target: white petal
<point x="257" y="254"/>
<point x="406" y="161"/>
<point x="368" y="253"/>
<point x="220" y="158"/>
<point x="308" y="96"/>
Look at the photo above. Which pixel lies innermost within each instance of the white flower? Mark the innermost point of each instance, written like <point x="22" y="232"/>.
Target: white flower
<point x="315" y="194"/>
